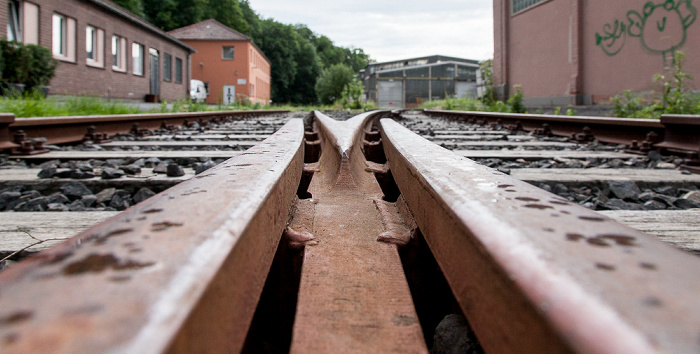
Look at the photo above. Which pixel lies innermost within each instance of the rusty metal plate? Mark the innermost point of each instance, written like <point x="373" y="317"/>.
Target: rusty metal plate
<point x="353" y="294"/>
<point x="69" y="129"/>
<point x="181" y="271"/>
<point x="606" y="129"/>
<point x="534" y="272"/>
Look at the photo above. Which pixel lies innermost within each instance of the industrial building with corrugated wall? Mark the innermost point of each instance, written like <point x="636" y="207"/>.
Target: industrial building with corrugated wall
<point x="410" y="82"/>
<point x="583" y="52"/>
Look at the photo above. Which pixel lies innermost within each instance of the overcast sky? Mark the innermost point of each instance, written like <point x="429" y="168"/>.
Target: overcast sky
<point x="389" y="29"/>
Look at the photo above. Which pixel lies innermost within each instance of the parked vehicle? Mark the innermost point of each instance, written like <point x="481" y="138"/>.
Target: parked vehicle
<point x="198" y="91"/>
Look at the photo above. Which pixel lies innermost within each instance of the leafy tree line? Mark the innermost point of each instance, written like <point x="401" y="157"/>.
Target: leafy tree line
<point x="298" y="56"/>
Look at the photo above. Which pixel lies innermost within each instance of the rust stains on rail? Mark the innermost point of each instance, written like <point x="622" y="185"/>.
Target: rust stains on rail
<point x="180" y="272"/>
<point x="529" y="280"/>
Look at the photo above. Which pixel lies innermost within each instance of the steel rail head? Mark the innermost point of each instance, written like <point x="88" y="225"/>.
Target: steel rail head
<point x="534" y="272"/>
<point x="344" y="133"/>
<point x="64" y="120"/>
<point x="181" y="271"/>
<point x="606" y="129"/>
<point x="71" y="129"/>
<point x="650" y="123"/>
<point x="342" y="143"/>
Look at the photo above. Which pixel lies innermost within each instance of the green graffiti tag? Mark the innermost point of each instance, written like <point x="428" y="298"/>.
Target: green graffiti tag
<point x="661" y="28"/>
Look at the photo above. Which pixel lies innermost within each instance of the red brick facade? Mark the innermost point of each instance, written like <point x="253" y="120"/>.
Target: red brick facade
<point x="581" y="52"/>
<point x="77" y="78"/>
<point x="247" y="72"/>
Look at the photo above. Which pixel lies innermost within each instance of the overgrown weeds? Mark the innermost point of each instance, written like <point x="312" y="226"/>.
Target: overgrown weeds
<point x="676" y="96"/>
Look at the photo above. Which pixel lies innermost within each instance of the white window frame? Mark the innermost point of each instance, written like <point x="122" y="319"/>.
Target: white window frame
<point x="137" y="57"/>
<point x="63" y="37"/>
<point x="97" y="42"/>
<point x="224" y="52"/>
<point x="118" y="53"/>
<point x="58" y="35"/>
<point x="14" y="20"/>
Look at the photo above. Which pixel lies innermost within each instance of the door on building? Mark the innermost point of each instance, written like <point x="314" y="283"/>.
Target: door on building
<point x="390" y="94"/>
<point x="465" y="89"/>
<point x="155" y="71"/>
<point x="229" y="94"/>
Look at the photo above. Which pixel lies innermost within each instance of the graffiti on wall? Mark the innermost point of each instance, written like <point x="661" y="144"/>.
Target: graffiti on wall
<point x="661" y="27"/>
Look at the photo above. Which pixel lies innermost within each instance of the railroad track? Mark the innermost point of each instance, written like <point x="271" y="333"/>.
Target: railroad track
<point x="359" y="235"/>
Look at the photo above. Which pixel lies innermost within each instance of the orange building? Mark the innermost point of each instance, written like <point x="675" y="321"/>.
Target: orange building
<point x="231" y="66"/>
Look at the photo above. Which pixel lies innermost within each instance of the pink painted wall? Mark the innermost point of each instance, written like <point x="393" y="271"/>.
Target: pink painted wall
<point x="637" y="59"/>
<point x="561" y="48"/>
<point x="539" y="50"/>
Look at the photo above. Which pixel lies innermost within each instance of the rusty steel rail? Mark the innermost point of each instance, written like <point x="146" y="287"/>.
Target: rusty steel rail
<point x="185" y="270"/>
<point x="73" y="129"/>
<point x="534" y="272"/>
<point x="611" y="130"/>
<point x="181" y="271"/>
<point x="353" y="294"/>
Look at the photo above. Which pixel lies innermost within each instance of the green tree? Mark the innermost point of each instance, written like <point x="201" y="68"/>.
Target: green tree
<point x="280" y="43"/>
<point x="228" y="12"/>
<point x="134" y="6"/>
<point x="252" y="19"/>
<point x="357" y="59"/>
<point x="160" y="13"/>
<point x="330" y="85"/>
<point x="188" y="12"/>
<point x="308" y="69"/>
<point x="352" y="93"/>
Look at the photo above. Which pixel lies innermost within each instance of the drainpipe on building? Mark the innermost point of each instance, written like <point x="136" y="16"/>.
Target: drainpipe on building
<point x="403" y="90"/>
<point x="430" y="83"/>
<point x="189" y="76"/>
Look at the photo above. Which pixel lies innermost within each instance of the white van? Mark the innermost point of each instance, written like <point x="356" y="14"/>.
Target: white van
<point x="198" y="92"/>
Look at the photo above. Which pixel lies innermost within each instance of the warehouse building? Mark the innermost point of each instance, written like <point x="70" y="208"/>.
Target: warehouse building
<point x="103" y="50"/>
<point x="410" y="82"/>
<point x="583" y="52"/>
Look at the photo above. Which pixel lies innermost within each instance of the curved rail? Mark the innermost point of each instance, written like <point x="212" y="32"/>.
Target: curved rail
<point x="184" y="271"/>
<point x="532" y="270"/>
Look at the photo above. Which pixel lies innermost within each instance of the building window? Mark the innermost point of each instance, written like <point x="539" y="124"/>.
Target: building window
<point x="94" y="46"/>
<point x="227" y="53"/>
<point x="118" y="53"/>
<point x="22" y="22"/>
<point x="14" y="24"/>
<point x="178" y="70"/>
<point x="137" y="56"/>
<point x="520" y="5"/>
<point x="63" y="37"/>
<point x="91" y="42"/>
<point x="59" y="35"/>
<point x="167" y="70"/>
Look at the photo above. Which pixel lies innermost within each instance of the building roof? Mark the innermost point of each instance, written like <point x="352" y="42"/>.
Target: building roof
<point x="211" y="30"/>
<point x="115" y="9"/>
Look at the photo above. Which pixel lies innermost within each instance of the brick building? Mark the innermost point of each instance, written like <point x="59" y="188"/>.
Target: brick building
<point x="103" y="49"/>
<point x="583" y="52"/>
<point x="228" y="62"/>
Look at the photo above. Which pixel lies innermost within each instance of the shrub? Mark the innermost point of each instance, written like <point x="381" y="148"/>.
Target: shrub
<point x="43" y="66"/>
<point x="31" y="65"/>
<point x="515" y="102"/>
<point x="676" y="97"/>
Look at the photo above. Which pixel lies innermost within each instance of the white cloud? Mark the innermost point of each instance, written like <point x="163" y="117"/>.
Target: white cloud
<point x="390" y="30"/>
